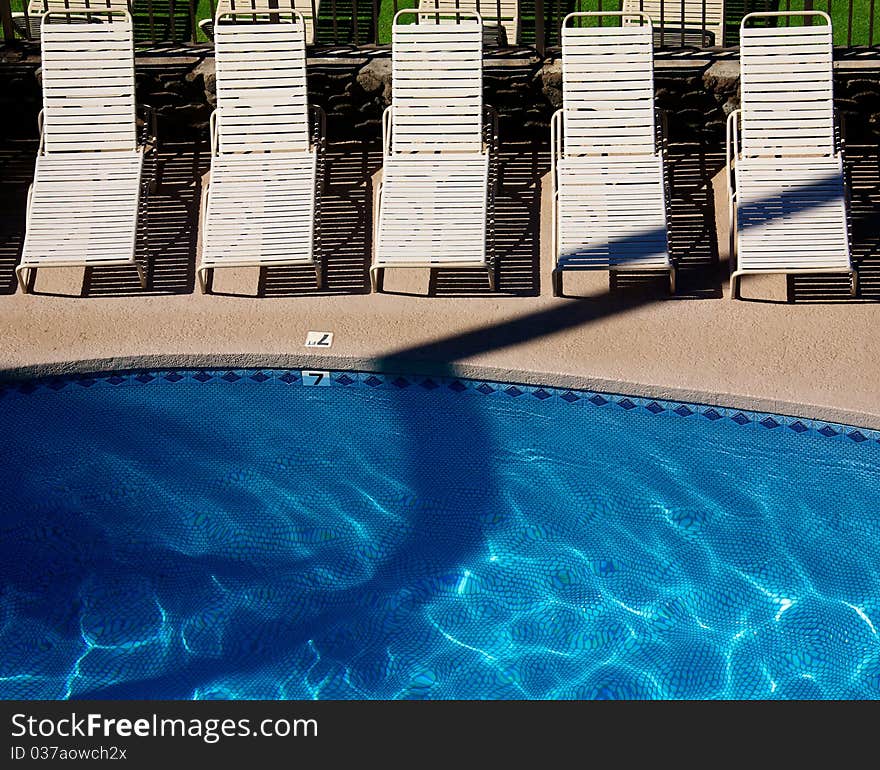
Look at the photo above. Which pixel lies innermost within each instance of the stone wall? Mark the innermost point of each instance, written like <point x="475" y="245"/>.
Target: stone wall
<point x="354" y="87"/>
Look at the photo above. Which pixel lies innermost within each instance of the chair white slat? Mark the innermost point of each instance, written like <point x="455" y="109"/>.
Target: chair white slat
<point x="251" y="92"/>
<point x="434" y="184"/>
<point x="587" y="52"/>
<point x="790" y="194"/>
<point x="88" y="80"/>
<point x="611" y="213"/>
<point x="433" y="210"/>
<point x="437" y="71"/>
<point x="787" y="71"/>
<point x="83" y="209"/>
<point x="261" y="197"/>
<point x="611" y="199"/>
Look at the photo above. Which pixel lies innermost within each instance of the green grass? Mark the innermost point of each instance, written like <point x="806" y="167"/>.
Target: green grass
<point x="838" y="9"/>
<point x="386" y="15"/>
<point x="839" y="12"/>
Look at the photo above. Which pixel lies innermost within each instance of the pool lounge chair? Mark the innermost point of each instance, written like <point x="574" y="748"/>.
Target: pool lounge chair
<point x="260" y="206"/>
<point x="84" y="203"/>
<point x="700" y="21"/>
<point x="308" y="9"/>
<point x="435" y="190"/>
<point x="609" y="185"/>
<point x="788" y="209"/>
<point x="500" y="17"/>
<point x="27" y="23"/>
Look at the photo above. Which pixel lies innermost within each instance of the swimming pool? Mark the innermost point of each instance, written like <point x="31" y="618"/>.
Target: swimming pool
<point x="237" y="534"/>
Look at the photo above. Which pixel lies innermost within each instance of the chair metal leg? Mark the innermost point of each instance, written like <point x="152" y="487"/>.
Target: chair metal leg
<point x="735" y="278"/>
<point x="377" y="278"/>
<point x="202" y="273"/>
<point x="493" y="277"/>
<point x="23" y="274"/>
<point x="142" y="275"/>
<point x="319" y="274"/>
<point x="854" y="283"/>
<point x="556" y="278"/>
<point x="672" y="279"/>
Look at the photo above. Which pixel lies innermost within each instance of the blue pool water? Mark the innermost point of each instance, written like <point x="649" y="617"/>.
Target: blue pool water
<point x="239" y="535"/>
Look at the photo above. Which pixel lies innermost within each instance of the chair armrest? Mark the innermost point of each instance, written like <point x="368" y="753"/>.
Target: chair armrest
<point x="149" y="131"/>
<point x="490" y="128"/>
<point x="387" y="127"/>
<point x="212" y="130"/>
<point x="839" y="131"/>
<point x="319" y="126"/>
<point x="319" y="146"/>
<point x="732" y="151"/>
<point x="557" y="141"/>
<point x="40" y="131"/>
<point x="661" y="127"/>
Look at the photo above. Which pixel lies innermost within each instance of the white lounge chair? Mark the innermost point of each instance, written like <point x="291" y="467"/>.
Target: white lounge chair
<point x="83" y="205"/>
<point x="497" y="15"/>
<point x="677" y="16"/>
<point x="27" y="24"/>
<point x="266" y="150"/>
<point x="609" y="184"/>
<point x="435" y="189"/>
<point x="788" y="204"/>
<point x="308" y="9"/>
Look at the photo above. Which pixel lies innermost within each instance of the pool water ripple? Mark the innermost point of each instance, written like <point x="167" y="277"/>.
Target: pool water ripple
<point x="255" y="538"/>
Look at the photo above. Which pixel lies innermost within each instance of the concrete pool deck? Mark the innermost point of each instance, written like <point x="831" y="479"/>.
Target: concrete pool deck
<point x="813" y="359"/>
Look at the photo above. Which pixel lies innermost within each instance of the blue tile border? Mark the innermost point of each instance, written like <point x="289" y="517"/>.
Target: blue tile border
<point x="771" y="423"/>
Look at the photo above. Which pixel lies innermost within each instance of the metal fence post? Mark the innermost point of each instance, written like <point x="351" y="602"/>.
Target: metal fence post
<point x="540" y="40"/>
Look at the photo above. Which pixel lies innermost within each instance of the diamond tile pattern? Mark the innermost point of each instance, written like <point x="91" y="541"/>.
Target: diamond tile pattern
<point x="455" y="384"/>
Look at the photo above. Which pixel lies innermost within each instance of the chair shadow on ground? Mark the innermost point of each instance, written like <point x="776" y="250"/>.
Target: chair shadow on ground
<point x="173" y="218"/>
<point x="517" y="223"/>
<point x="167" y="238"/>
<point x="863" y="176"/>
<point x="346" y="228"/>
<point x="16" y="173"/>
<point x="168" y="234"/>
<point x="693" y="243"/>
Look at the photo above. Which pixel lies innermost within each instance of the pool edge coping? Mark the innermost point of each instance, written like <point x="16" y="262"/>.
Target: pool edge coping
<point x="403" y="365"/>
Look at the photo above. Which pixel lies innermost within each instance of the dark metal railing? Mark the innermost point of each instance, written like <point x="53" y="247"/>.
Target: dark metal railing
<point x="536" y="24"/>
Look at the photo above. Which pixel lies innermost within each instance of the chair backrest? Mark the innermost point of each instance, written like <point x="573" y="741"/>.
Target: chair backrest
<point x="786" y="88"/>
<point x="88" y="84"/>
<point x="262" y="97"/>
<point x="494" y="13"/>
<point x="437" y="71"/>
<point x="608" y="88"/>
<point x="306" y="8"/>
<point x="678" y="13"/>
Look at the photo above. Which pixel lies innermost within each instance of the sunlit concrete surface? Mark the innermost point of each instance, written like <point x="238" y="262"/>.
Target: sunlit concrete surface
<point x="800" y="348"/>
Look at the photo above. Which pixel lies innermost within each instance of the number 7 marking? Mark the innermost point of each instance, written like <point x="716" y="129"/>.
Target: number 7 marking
<point x="311" y="379"/>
